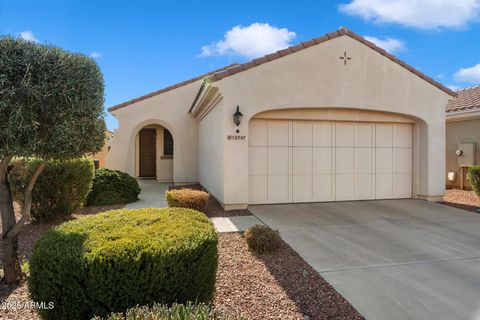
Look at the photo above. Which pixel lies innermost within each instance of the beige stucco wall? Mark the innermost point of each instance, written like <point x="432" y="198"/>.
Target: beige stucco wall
<point x="211" y="153"/>
<point x="169" y="110"/>
<point x="459" y="132"/>
<point x="317" y="78"/>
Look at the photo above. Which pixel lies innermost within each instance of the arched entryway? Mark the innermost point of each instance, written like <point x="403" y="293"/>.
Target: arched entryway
<point x="154" y="153"/>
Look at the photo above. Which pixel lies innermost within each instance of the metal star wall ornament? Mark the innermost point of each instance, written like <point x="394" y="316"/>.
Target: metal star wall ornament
<point x="345" y="58"/>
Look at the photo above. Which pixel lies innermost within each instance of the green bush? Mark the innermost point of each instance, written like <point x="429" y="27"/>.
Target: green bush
<point x="189" y="311"/>
<point x="473" y="176"/>
<point x="61" y="188"/>
<point x="123" y="258"/>
<point x="112" y="187"/>
<point x="262" y="239"/>
<point x="188" y="198"/>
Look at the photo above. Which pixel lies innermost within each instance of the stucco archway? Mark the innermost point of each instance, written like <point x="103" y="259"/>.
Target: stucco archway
<point x="154" y="150"/>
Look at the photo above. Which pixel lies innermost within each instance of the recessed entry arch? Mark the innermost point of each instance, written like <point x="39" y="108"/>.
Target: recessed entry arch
<point x="154" y="152"/>
<point x="331" y="154"/>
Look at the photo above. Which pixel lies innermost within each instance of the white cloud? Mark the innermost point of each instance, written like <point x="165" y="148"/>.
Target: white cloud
<point x="453" y="87"/>
<point x="471" y="74"/>
<point x="389" y="44"/>
<point x="252" y="41"/>
<point x="28" y="35"/>
<point x="95" y="55"/>
<point x="423" y="14"/>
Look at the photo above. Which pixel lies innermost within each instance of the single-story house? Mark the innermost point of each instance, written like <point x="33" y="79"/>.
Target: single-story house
<point x="463" y="134"/>
<point x="331" y="119"/>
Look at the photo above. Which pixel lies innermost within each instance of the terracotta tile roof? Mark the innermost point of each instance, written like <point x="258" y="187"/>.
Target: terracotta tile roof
<point x="467" y="99"/>
<point x="169" y="88"/>
<point x="332" y="35"/>
<point x="236" y="68"/>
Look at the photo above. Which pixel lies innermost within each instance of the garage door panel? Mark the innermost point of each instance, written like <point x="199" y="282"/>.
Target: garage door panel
<point x="278" y="133"/>
<point x="344" y="134"/>
<point x="364" y="187"/>
<point x="258" y="189"/>
<point x="383" y="135"/>
<point x="383" y="160"/>
<point x="278" y="189"/>
<point x="364" y="135"/>
<point x="402" y="160"/>
<point x="363" y="160"/>
<point x="258" y="133"/>
<point x="383" y="185"/>
<point x="323" y="187"/>
<point x="344" y="184"/>
<point x="344" y="159"/>
<point x="402" y="186"/>
<point x="322" y="160"/>
<point x="302" y="133"/>
<point x="302" y="188"/>
<point x="302" y="160"/>
<point x="258" y="161"/>
<point x="323" y="134"/>
<point x="278" y="160"/>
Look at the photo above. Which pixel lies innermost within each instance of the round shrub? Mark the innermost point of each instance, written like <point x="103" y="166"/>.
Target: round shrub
<point x="60" y="189"/>
<point x="473" y="176"/>
<point x="122" y="258"/>
<point x="262" y="239"/>
<point x="188" y="198"/>
<point x="112" y="187"/>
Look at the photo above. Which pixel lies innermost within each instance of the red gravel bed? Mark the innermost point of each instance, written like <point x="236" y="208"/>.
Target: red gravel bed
<point x="214" y="209"/>
<point x="278" y="285"/>
<point x="463" y="199"/>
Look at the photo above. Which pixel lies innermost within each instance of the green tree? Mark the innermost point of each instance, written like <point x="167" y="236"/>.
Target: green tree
<point x="51" y="107"/>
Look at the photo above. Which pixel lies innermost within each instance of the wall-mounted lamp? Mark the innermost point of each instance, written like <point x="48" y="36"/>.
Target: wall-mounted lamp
<point x="237" y="118"/>
<point x="459" y="152"/>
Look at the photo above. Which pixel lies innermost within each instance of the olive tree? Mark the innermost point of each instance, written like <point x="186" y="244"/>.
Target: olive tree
<point x="51" y="107"/>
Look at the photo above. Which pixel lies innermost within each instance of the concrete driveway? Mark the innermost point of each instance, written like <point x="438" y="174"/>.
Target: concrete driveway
<point x="392" y="259"/>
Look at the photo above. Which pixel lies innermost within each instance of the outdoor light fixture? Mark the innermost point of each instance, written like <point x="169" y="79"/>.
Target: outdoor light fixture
<point x="237" y="117"/>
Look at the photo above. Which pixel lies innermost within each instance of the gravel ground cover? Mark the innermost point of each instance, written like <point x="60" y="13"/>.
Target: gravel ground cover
<point x="278" y="285"/>
<point x="463" y="199"/>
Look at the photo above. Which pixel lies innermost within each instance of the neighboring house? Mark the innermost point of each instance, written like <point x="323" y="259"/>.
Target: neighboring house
<point x="99" y="158"/>
<point x="463" y="133"/>
<point x="330" y="119"/>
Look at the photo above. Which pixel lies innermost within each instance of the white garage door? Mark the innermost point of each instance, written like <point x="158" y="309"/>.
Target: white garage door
<point x="308" y="161"/>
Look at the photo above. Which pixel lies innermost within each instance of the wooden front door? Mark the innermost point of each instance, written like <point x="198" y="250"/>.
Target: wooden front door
<point x="148" y="152"/>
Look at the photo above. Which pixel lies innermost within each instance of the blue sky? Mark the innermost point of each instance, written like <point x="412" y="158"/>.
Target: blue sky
<point x="145" y="45"/>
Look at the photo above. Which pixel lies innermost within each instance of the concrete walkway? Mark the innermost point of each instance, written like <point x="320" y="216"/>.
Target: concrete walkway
<point x="395" y="259"/>
<point x="151" y="196"/>
<point x="234" y="224"/>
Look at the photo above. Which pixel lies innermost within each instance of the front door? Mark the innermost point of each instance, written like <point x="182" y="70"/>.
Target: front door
<point x="148" y="152"/>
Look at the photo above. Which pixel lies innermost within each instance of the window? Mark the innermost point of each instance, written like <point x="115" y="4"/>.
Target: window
<point x="96" y="163"/>
<point x="167" y="143"/>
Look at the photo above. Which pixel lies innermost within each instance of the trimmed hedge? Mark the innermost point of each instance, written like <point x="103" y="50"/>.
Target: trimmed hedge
<point x="60" y="189"/>
<point x="188" y="198"/>
<point x="473" y="176"/>
<point x="189" y="311"/>
<point x="112" y="187"/>
<point x="262" y="239"/>
<point x="123" y="258"/>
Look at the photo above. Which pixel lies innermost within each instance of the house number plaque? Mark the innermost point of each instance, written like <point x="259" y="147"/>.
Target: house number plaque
<point x="236" y="137"/>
